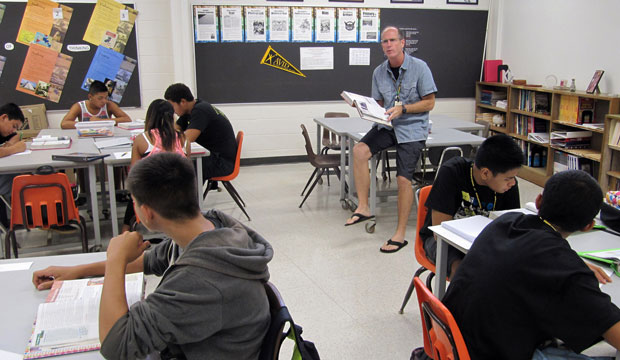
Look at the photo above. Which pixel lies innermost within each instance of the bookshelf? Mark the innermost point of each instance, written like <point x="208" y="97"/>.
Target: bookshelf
<point x="532" y="109"/>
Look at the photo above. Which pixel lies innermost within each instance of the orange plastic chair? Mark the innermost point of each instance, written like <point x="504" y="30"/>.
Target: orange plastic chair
<point x="420" y="254"/>
<point x="442" y="336"/>
<point x="228" y="178"/>
<point x="40" y="201"/>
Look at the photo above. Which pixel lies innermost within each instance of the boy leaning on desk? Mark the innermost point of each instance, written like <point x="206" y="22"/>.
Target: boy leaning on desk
<point x="521" y="287"/>
<point x="210" y="303"/>
<point x="11" y="119"/>
<point x="96" y="107"/>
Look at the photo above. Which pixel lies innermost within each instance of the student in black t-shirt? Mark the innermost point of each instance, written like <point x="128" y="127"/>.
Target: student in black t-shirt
<point x="11" y="119"/>
<point x="208" y="126"/>
<point x="521" y="285"/>
<point x="464" y="188"/>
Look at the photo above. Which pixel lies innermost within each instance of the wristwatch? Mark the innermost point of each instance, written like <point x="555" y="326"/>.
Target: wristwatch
<point x="404" y="109"/>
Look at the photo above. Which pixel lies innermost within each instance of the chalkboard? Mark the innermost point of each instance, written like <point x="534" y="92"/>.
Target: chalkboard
<point x="72" y="92"/>
<point x="450" y="41"/>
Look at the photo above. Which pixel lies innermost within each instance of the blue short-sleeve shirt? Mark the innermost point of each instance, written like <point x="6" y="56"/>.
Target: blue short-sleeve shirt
<point x="416" y="81"/>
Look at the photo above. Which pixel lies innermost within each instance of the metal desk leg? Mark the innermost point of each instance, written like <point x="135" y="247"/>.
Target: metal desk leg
<point x="343" y="169"/>
<point x="350" y="176"/>
<point x="112" y="192"/>
<point x="441" y="267"/>
<point x="318" y="138"/>
<point x="104" y="202"/>
<point x="199" y="182"/>
<point x="94" y="205"/>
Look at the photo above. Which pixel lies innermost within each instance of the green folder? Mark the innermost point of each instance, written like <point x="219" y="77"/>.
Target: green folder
<point x="611" y="257"/>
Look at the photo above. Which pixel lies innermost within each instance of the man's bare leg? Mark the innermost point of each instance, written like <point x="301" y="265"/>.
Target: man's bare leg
<point x="361" y="175"/>
<point x="405" y="201"/>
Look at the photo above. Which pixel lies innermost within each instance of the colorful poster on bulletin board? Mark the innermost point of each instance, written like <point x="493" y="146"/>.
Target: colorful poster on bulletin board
<point x="206" y="23"/>
<point x="111" y="68"/>
<point x="44" y="23"/>
<point x="110" y="25"/>
<point x="44" y="73"/>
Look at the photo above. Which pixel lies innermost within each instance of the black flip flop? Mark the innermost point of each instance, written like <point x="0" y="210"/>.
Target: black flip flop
<point x="360" y="218"/>
<point x="399" y="245"/>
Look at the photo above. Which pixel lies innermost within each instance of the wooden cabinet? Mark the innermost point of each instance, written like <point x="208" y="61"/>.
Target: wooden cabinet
<point x="541" y="110"/>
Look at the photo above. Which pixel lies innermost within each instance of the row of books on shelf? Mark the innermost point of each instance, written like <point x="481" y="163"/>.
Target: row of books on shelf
<point x="533" y="101"/>
<point x="576" y="109"/>
<point x="523" y="125"/>
<point x="564" y="161"/>
<point x="534" y="155"/>
<point x="490" y="97"/>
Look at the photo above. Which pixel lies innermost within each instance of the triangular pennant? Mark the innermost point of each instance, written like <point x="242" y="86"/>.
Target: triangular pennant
<point x="272" y="58"/>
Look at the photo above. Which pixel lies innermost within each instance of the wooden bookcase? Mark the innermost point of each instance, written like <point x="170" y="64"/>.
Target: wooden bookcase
<point x="605" y="168"/>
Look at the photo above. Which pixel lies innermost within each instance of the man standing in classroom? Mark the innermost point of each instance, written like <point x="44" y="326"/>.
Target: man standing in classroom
<point x="208" y="126"/>
<point x="404" y="85"/>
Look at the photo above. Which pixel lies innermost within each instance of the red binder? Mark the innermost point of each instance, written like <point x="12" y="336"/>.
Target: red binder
<point x="490" y="70"/>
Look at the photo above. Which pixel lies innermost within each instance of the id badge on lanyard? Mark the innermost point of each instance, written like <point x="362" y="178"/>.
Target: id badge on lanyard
<point x="397" y="101"/>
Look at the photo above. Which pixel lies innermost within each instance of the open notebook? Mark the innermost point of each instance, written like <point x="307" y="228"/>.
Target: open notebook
<point x="468" y="228"/>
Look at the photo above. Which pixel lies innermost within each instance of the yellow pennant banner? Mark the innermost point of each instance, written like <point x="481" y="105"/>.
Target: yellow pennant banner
<point x="272" y="58"/>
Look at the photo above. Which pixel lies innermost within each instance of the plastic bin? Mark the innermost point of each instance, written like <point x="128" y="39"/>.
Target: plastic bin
<point x="95" y="128"/>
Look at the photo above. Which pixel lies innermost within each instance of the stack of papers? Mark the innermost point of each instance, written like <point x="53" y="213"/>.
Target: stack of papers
<point x="468" y="228"/>
<point x="138" y="124"/>
<point x="114" y="142"/>
<point x="197" y="148"/>
<point x="50" y="142"/>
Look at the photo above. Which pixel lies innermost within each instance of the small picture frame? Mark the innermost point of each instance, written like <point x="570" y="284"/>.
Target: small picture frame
<point x="462" y="2"/>
<point x="593" y="86"/>
<point x="407" y="1"/>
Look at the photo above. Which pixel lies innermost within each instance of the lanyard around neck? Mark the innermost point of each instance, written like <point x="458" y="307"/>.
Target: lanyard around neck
<point x="471" y="176"/>
<point x="548" y="223"/>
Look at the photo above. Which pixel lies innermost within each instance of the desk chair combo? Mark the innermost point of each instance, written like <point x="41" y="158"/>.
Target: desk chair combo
<point x="40" y="201"/>
<point x="330" y="140"/>
<point x="442" y="336"/>
<point x="321" y="164"/>
<point x="226" y="180"/>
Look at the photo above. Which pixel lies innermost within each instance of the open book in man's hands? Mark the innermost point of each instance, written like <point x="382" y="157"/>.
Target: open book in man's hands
<point x="367" y="107"/>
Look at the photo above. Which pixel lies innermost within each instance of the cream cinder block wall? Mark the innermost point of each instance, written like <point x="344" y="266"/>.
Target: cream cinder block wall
<point x="565" y="38"/>
<point x="166" y="55"/>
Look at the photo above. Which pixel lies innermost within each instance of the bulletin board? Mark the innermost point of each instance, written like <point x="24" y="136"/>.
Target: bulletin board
<point x="72" y="91"/>
<point x="451" y="42"/>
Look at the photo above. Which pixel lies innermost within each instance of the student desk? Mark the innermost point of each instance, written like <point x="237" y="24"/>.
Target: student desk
<point x="22" y="163"/>
<point x="21" y="299"/>
<point x="439" y="137"/>
<point x="588" y="241"/>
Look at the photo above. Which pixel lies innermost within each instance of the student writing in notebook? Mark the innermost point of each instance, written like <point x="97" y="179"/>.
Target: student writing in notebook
<point x="159" y="135"/>
<point x="210" y="303"/>
<point x="96" y="107"/>
<point x="11" y="119"/>
<point x="521" y="285"/>
<point x="465" y="188"/>
<point x="404" y="85"/>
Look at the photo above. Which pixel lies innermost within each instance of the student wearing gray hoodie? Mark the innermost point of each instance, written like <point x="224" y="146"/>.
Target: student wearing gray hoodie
<point x="210" y="303"/>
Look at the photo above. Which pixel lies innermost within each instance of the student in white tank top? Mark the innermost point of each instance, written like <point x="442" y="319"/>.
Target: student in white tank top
<point x="97" y="107"/>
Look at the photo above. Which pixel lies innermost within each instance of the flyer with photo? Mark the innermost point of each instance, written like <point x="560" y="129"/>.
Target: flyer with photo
<point x="205" y="23"/>
<point x="44" y="73"/>
<point x="110" y="19"/>
<point x="44" y="23"/>
<point x="111" y="68"/>
<point x="255" y="23"/>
